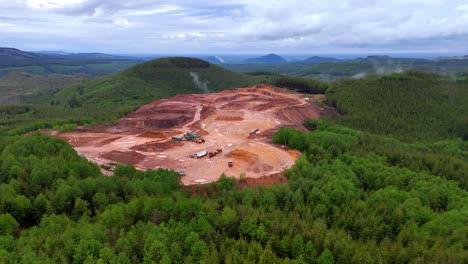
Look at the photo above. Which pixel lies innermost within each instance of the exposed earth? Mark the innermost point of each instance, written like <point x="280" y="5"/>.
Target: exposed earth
<point x="225" y="120"/>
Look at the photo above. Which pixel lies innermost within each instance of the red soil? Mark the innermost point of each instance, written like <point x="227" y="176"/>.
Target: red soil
<point x="225" y="120"/>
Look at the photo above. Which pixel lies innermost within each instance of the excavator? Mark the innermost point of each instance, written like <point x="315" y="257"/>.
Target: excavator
<point x="190" y="136"/>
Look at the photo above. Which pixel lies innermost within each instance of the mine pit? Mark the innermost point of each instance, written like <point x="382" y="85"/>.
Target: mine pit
<point x="219" y="126"/>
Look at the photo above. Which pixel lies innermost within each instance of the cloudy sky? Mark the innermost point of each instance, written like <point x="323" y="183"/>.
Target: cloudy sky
<point x="236" y="26"/>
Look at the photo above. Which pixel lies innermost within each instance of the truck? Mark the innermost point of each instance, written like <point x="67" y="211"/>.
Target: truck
<point x="214" y="153"/>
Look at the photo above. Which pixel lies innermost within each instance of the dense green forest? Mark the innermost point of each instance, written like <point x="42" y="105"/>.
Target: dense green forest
<point x="347" y="201"/>
<point x="301" y="85"/>
<point x="386" y="182"/>
<point x="412" y="105"/>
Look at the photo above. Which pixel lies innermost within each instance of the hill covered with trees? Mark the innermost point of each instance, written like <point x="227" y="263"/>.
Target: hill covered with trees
<point x="413" y="105"/>
<point x="108" y="98"/>
<point x="160" y="78"/>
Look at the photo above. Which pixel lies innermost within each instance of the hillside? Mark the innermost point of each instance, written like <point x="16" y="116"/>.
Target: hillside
<point x="108" y="98"/>
<point x="37" y="63"/>
<point x="16" y="87"/>
<point x="413" y="104"/>
<point x="270" y="58"/>
<point x="214" y="59"/>
<point x="160" y="78"/>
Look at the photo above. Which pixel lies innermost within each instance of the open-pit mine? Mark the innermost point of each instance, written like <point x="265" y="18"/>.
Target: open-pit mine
<point x="202" y="136"/>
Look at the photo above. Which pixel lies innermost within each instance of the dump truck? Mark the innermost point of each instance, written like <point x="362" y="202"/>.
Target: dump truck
<point x="214" y="153"/>
<point x="200" y="154"/>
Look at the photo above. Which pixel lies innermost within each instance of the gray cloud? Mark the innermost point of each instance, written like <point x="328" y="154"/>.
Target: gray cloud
<point x="189" y="26"/>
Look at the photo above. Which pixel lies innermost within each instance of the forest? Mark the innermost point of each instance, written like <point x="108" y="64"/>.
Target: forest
<point x="413" y="105"/>
<point x="346" y="201"/>
<point x="385" y="182"/>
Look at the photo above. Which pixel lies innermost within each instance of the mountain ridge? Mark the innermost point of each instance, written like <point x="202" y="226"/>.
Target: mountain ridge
<point x="270" y="58"/>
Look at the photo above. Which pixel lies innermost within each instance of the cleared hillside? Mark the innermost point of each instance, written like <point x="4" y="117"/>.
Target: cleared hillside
<point x="16" y="87"/>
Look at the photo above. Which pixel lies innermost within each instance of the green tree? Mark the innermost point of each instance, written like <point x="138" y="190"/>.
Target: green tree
<point x="8" y="225"/>
<point x="326" y="257"/>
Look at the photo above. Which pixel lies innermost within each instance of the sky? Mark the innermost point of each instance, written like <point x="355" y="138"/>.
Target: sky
<point x="236" y="26"/>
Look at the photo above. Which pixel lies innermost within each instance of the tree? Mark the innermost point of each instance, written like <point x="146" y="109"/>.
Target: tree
<point x="326" y="257"/>
<point x="74" y="103"/>
<point x="225" y="183"/>
<point x="8" y="225"/>
<point x="228" y="217"/>
<point x="297" y="246"/>
<point x="248" y="227"/>
<point x="309" y="252"/>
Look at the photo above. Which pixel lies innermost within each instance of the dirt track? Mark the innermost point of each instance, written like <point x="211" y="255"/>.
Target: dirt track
<point x="225" y="119"/>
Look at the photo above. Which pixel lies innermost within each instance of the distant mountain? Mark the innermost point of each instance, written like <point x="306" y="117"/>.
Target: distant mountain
<point x="452" y="58"/>
<point x="98" y="56"/>
<point x="15" y="57"/>
<point x="270" y="58"/>
<point x="317" y="59"/>
<point x="214" y="59"/>
<point x="92" y="55"/>
<point x="52" y="52"/>
<point x="376" y="58"/>
<point x="12" y="59"/>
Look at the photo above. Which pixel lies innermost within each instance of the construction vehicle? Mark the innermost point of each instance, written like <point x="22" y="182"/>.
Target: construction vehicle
<point x="230" y="164"/>
<point x="255" y="131"/>
<point x="190" y="136"/>
<point x="199" y="140"/>
<point x="214" y="153"/>
<point x="200" y="154"/>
